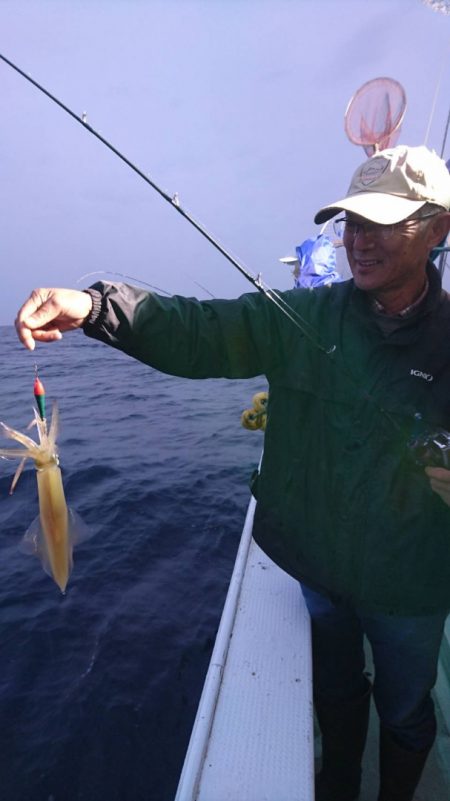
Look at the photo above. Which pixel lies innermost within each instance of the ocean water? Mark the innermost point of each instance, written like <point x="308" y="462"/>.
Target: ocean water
<point x="99" y="688"/>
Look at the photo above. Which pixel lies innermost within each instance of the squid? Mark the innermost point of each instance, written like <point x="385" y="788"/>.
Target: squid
<point x="53" y="534"/>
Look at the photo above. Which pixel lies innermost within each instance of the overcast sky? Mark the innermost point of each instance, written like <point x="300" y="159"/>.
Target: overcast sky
<point x="237" y="105"/>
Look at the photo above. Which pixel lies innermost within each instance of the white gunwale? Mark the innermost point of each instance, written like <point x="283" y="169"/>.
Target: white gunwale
<point x="253" y="734"/>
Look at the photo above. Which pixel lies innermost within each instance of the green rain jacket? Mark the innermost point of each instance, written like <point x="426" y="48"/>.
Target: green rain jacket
<point x="342" y="505"/>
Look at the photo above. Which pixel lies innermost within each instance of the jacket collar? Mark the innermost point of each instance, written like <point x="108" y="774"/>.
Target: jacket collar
<point x="409" y="330"/>
<point x="431" y="301"/>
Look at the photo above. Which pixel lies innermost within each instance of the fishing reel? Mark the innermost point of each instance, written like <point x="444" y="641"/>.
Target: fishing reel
<point x="431" y="449"/>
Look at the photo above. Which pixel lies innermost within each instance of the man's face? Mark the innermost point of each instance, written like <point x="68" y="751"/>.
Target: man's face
<point x="389" y="259"/>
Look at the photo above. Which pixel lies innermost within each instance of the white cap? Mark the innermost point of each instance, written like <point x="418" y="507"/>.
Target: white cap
<point x="393" y="184"/>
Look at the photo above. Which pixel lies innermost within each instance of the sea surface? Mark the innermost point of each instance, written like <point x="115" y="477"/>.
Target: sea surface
<point x="99" y="688"/>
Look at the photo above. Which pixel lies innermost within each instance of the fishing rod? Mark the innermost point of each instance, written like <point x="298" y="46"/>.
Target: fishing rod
<point x="307" y="330"/>
<point x="274" y="297"/>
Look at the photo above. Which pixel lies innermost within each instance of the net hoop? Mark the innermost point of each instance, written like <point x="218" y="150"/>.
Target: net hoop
<point x="374" y="114"/>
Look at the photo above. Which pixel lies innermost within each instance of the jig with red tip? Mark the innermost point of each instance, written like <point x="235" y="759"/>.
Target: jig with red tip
<point x="39" y="394"/>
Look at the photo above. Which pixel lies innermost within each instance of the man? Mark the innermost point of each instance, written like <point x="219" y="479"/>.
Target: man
<point x="343" y="504"/>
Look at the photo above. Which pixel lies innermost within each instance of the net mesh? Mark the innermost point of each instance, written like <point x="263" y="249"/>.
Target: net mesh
<point x="375" y="113"/>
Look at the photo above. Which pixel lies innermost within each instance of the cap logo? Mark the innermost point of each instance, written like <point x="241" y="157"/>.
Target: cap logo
<point x="373" y="170"/>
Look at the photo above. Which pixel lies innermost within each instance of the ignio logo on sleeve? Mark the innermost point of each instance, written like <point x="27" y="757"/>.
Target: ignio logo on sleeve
<point x="420" y="374"/>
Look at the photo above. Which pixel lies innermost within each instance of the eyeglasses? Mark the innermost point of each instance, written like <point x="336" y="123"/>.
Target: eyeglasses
<point x="351" y="228"/>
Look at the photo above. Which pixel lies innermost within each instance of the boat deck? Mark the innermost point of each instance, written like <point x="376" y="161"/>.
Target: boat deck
<point x="253" y="737"/>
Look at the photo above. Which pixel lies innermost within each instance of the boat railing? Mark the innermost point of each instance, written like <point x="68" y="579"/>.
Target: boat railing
<point x="253" y="733"/>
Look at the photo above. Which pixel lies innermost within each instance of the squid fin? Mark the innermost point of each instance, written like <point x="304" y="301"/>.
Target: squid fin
<point x="78" y="530"/>
<point x="33" y="541"/>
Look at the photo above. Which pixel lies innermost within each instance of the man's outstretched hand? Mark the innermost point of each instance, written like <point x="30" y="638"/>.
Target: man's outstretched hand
<point x="49" y="312"/>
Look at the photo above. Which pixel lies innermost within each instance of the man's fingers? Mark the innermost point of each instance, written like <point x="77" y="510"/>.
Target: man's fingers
<point x="49" y="312"/>
<point x="35" y="320"/>
<point x="440" y="473"/>
<point x="26" y="320"/>
<point x="31" y="305"/>
<point x="30" y="337"/>
<point x="25" y="336"/>
<point x="47" y="335"/>
<point x="440" y="482"/>
<point x="37" y="311"/>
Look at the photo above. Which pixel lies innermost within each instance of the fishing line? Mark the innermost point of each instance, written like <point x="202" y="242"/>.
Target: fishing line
<point x="140" y="281"/>
<point x="197" y="283"/>
<point x="306" y="329"/>
<point x="122" y="275"/>
<point x="435" y="97"/>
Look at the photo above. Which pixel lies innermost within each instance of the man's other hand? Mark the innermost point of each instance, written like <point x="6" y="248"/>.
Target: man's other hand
<point x="440" y="482"/>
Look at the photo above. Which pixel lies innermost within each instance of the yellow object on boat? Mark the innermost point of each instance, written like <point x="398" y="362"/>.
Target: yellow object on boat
<point x="260" y="401"/>
<point x="256" y="417"/>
